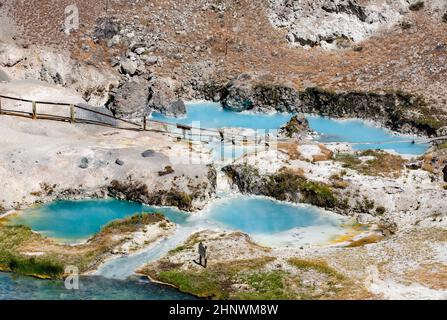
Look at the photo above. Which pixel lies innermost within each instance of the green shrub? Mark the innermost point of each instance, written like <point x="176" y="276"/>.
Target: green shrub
<point x="31" y="266"/>
<point x="318" y="194"/>
<point x="284" y="186"/>
<point x="131" y="224"/>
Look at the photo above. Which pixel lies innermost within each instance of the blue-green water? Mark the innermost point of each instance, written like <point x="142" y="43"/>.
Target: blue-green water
<point x="362" y="134"/>
<point x="257" y="215"/>
<point x="212" y="115"/>
<point x="17" y="287"/>
<point x="267" y="221"/>
<point x="74" y="221"/>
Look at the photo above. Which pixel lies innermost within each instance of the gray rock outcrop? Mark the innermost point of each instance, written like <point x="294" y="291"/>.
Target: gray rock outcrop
<point x="396" y="110"/>
<point x="58" y="68"/>
<point x="331" y="23"/>
<point x="129" y="67"/>
<point x="163" y="97"/>
<point x="251" y="92"/>
<point x="131" y="99"/>
<point x="295" y="128"/>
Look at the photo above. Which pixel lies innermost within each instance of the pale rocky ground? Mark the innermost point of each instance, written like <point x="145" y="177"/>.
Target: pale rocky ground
<point x="411" y="264"/>
<point x="40" y="161"/>
<point x="411" y="199"/>
<point x="145" y="238"/>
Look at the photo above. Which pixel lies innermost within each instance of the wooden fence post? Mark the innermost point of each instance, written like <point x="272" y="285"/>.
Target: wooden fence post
<point x="72" y="113"/>
<point x="34" y="110"/>
<point x="144" y="123"/>
<point x="0" y="105"/>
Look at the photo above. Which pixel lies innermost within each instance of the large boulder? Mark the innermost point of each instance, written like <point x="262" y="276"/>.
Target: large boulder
<point x="4" y="77"/>
<point x="129" y="67"/>
<point x="131" y="99"/>
<point x="163" y="97"/>
<point x="140" y="97"/>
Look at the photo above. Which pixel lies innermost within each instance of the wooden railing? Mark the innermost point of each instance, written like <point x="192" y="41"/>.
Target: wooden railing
<point x="76" y="114"/>
<point x="65" y="112"/>
<point x="70" y="113"/>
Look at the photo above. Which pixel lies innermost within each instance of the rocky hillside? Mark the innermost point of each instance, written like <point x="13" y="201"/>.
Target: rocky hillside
<point x="137" y="56"/>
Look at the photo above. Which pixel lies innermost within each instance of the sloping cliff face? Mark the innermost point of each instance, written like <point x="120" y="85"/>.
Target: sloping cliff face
<point x="137" y="56"/>
<point x="57" y="68"/>
<point x="336" y="23"/>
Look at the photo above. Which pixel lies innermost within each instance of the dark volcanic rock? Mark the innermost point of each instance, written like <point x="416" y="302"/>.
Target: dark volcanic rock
<point x="119" y="162"/>
<point x="283" y="186"/>
<point x="248" y="92"/>
<point x="295" y="127"/>
<point x="247" y="179"/>
<point x="444" y="171"/>
<point x="177" y="108"/>
<point x="84" y="163"/>
<point x="148" y="153"/>
<point x="139" y="192"/>
<point x="107" y="28"/>
<point x="398" y="111"/>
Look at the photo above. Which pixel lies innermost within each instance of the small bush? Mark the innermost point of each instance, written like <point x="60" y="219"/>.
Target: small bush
<point x="284" y="186"/>
<point x="349" y="161"/>
<point x="417" y="6"/>
<point x="131" y="224"/>
<point x="380" y="210"/>
<point x="316" y="265"/>
<point x="405" y="25"/>
<point x="167" y="170"/>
